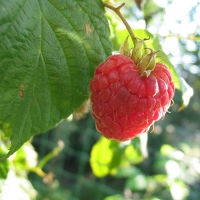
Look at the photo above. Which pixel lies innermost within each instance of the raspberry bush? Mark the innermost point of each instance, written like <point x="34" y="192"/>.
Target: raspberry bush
<point x="47" y="62"/>
<point x="49" y="52"/>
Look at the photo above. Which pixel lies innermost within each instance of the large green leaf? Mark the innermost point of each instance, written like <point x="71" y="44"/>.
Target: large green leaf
<point x="48" y="52"/>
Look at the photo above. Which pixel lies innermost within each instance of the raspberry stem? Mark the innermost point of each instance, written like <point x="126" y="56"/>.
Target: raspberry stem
<point x="117" y="11"/>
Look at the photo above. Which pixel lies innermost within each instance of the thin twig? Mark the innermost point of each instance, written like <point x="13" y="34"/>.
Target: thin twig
<point x="117" y="11"/>
<point x="182" y="38"/>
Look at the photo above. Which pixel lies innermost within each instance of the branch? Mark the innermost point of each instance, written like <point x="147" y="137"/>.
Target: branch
<point x="117" y="11"/>
<point x="190" y="37"/>
<point x="51" y="155"/>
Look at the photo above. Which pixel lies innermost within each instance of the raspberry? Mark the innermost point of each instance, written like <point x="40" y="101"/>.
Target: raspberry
<point x="126" y="103"/>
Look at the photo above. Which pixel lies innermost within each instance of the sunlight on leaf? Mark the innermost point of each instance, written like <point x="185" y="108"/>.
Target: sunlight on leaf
<point x="111" y="157"/>
<point x="166" y="149"/>
<point x="187" y="94"/>
<point x="178" y="190"/>
<point x="133" y="155"/>
<point x="4" y="165"/>
<point x="48" y="53"/>
<point x="101" y="157"/>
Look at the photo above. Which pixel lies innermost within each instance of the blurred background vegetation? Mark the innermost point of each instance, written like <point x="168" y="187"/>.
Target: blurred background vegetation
<point x="72" y="161"/>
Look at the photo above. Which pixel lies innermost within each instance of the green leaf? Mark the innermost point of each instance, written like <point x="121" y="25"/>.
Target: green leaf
<point x="111" y="157"/>
<point x="161" y="178"/>
<point x="101" y="159"/>
<point x="133" y="152"/>
<point x="187" y="93"/>
<point x="128" y="171"/>
<point x="115" y="197"/>
<point x="132" y="155"/>
<point x="25" y="158"/>
<point x="4" y="166"/>
<point x="166" y="150"/>
<point x="48" y="53"/>
<point x="138" y="182"/>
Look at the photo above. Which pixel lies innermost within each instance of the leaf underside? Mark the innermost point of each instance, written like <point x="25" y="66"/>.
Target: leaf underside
<point x="48" y="52"/>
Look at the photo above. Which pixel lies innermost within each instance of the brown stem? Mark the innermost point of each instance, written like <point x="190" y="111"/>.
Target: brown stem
<point x="117" y="11"/>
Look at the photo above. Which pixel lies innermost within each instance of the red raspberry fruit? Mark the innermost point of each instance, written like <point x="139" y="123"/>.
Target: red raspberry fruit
<point x="124" y="103"/>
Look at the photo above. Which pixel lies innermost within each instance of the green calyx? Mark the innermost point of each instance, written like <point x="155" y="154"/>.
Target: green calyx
<point x="140" y="55"/>
<point x="139" y="51"/>
<point x="148" y="63"/>
<point x="125" y="48"/>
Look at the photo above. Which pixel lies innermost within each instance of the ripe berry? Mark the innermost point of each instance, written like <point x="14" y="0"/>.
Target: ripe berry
<point x="126" y="102"/>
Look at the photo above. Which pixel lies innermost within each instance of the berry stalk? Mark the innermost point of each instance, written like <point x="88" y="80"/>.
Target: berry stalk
<point x="145" y="61"/>
<point x="117" y="11"/>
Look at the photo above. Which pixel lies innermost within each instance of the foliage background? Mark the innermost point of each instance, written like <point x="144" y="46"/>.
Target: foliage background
<point x="172" y="168"/>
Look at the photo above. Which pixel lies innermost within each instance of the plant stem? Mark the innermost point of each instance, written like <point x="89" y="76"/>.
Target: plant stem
<point x="38" y="171"/>
<point x="51" y="155"/>
<point x="190" y="37"/>
<point x="117" y="11"/>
